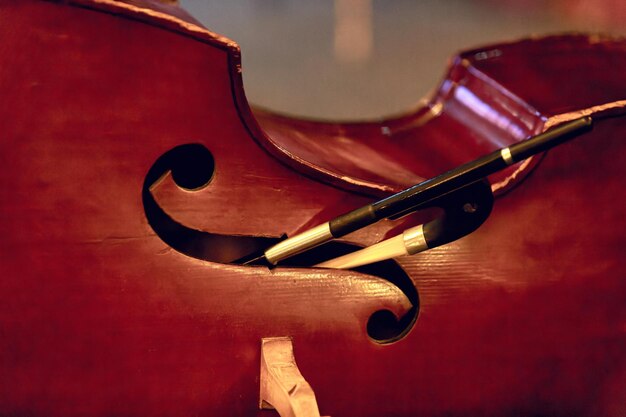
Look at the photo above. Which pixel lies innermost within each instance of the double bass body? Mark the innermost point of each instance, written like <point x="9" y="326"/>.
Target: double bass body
<point x="108" y="309"/>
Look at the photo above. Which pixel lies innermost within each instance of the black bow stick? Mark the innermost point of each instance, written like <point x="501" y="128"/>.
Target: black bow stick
<point x="463" y="193"/>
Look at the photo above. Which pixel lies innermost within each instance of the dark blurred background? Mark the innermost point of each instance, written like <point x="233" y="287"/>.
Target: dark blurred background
<point x="363" y="59"/>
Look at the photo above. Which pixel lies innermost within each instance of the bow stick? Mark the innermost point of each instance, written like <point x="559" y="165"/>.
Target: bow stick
<point x="461" y="192"/>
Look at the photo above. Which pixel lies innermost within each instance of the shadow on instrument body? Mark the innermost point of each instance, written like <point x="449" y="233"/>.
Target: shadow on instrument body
<point x="101" y="317"/>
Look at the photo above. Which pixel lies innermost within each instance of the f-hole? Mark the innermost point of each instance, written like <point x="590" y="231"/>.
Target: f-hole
<point x="192" y="167"/>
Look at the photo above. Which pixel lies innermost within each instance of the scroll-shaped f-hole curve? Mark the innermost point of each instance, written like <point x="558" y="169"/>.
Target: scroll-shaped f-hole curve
<point x="383" y="326"/>
<point x="192" y="167"/>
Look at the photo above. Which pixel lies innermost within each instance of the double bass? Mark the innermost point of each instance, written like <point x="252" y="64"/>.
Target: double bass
<point x="136" y="175"/>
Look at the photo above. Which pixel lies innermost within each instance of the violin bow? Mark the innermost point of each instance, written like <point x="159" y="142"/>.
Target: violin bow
<point x="463" y="192"/>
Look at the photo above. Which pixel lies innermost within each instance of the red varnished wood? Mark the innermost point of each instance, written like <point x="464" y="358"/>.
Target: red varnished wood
<point x="481" y="105"/>
<point x="100" y="317"/>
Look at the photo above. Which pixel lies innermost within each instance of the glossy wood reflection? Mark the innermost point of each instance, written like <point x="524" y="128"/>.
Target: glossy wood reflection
<point x="100" y="317"/>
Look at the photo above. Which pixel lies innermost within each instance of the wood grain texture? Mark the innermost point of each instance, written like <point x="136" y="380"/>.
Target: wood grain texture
<point x="100" y="317"/>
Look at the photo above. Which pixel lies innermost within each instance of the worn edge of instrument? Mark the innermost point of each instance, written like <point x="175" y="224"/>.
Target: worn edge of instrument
<point x="427" y="105"/>
<point x="189" y="28"/>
